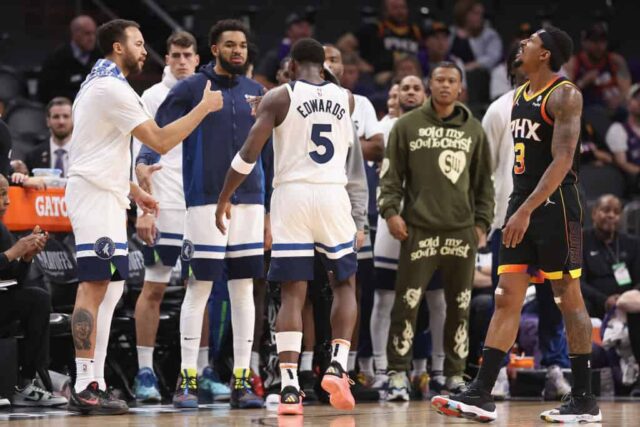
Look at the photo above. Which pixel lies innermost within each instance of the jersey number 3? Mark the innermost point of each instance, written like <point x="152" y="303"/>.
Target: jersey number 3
<point x="518" y="165"/>
<point x="325" y="149"/>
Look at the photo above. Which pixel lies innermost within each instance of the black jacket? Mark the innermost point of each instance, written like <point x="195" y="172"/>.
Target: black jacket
<point x="597" y="281"/>
<point x="62" y="74"/>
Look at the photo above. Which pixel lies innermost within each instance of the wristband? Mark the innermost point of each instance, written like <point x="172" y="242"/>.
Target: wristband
<point x="240" y="166"/>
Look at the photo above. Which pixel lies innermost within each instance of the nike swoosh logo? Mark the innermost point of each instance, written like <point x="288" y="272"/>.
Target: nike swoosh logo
<point x="93" y="401"/>
<point x="190" y="339"/>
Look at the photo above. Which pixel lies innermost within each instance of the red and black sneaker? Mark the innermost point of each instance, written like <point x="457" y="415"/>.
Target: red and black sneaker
<point x="93" y="401"/>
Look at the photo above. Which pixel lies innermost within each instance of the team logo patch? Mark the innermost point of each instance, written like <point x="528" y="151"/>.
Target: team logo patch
<point x="187" y="250"/>
<point x="452" y="164"/>
<point x="104" y="248"/>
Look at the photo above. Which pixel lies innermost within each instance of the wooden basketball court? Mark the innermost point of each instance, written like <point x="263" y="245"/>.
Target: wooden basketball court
<point x="512" y="413"/>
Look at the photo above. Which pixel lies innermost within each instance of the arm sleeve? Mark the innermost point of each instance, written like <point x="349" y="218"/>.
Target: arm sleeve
<point x="357" y="184"/>
<point x="482" y="184"/>
<point x="392" y="174"/>
<point x="125" y="109"/>
<point x="490" y="50"/>
<point x="616" y="138"/>
<point x="267" y="165"/>
<point x="178" y="102"/>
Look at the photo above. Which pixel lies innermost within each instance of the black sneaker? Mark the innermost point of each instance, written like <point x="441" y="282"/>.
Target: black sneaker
<point x="93" y="401"/>
<point x="362" y="392"/>
<point x="308" y="381"/>
<point x="575" y="409"/>
<point x="473" y="404"/>
<point x="290" y="401"/>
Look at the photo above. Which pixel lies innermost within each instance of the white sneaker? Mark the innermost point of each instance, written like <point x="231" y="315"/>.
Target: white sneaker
<point x="4" y="402"/>
<point x="398" y="387"/>
<point x="501" y="387"/>
<point x="32" y="395"/>
<point x="380" y="381"/>
<point x="555" y="385"/>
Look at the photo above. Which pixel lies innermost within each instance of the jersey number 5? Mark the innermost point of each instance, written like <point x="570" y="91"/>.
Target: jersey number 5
<point x="518" y="166"/>
<point x="325" y="149"/>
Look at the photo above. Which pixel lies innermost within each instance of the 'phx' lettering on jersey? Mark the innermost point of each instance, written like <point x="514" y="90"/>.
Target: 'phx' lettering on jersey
<point x="532" y="130"/>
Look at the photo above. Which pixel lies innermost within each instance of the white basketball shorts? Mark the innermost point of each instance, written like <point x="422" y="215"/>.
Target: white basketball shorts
<point x="307" y="218"/>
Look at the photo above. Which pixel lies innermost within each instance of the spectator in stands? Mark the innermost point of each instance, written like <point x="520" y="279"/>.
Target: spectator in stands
<point x="382" y="43"/>
<point x="437" y="41"/>
<point x="28" y="305"/>
<point x="473" y="41"/>
<point x="54" y="152"/>
<point x="593" y="149"/>
<point x="611" y="269"/>
<point x="623" y="139"/>
<point x="602" y="75"/>
<point x="500" y="79"/>
<point x="64" y="71"/>
<point x="351" y="75"/>
<point x="406" y="66"/>
<point x="298" y="27"/>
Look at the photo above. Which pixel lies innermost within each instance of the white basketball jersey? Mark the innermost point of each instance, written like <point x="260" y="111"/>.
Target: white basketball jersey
<point x="312" y="142"/>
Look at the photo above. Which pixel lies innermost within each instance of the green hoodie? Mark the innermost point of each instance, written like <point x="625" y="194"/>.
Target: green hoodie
<point x="440" y="169"/>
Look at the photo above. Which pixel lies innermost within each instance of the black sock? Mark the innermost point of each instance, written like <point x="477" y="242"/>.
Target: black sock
<point x="491" y="361"/>
<point x="581" y="371"/>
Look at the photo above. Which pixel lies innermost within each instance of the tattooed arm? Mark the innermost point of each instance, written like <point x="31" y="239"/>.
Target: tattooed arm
<point x="565" y="106"/>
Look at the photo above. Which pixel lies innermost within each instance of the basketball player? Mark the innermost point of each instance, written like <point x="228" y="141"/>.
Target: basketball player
<point x="206" y="253"/>
<point x="163" y="235"/>
<point x="543" y="231"/>
<point x="310" y="209"/>
<point x="106" y="113"/>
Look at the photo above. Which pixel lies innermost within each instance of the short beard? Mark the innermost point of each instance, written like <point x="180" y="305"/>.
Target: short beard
<point x="231" y="68"/>
<point x="405" y="108"/>
<point x="130" y="64"/>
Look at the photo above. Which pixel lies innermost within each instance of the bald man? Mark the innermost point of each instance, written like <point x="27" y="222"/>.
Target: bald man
<point x="64" y="71"/>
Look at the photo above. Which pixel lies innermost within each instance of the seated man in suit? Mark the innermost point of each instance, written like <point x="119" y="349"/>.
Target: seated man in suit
<point x="54" y="153"/>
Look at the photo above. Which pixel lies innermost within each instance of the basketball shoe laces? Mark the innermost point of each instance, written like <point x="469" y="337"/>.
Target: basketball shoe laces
<point x="189" y="383"/>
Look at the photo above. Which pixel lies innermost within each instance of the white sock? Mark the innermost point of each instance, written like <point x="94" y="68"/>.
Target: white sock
<point x="380" y="322"/>
<point x="84" y="373"/>
<point x="255" y="362"/>
<point x="243" y="319"/>
<point x="203" y="359"/>
<point x="340" y="352"/>
<point x="419" y="366"/>
<point x="437" y="315"/>
<point x="306" y="361"/>
<point x="191" y="315"/>
<point x="145" y="357"/>
<point x="351" y="361"/>
<point x="103" y="328"/>
<point x="289" y="375"/>
<point x="366" y="365"/>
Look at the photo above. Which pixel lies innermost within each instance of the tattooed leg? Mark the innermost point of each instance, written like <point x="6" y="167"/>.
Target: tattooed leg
<point x="576" y="319"/>
<point x="85" y="313"/>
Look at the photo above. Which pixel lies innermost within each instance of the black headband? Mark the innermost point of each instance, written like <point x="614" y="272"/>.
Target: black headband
<point x="549" y="43"/>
